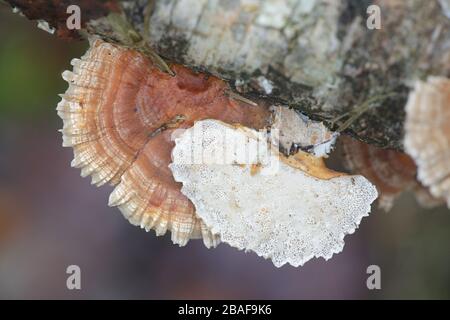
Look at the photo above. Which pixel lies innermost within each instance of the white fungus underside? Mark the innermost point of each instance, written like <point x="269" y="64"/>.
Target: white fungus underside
<point x="285" y="215"/>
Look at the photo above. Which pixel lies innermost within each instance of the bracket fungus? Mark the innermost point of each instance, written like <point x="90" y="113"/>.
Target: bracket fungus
<point x="391" y="171"/>
<point x="427" y="134"/>
<point x="118" y="113"/>
<point x="289" y="210"/>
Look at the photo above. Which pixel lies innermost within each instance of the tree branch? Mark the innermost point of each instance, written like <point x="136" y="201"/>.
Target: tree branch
<point x="316" y="56"/>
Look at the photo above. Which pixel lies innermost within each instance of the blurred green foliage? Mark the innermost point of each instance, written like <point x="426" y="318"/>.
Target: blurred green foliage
<point x="31" y="62"/>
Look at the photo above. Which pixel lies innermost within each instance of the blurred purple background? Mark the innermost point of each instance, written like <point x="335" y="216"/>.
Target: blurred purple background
<point x="51" y="218"/>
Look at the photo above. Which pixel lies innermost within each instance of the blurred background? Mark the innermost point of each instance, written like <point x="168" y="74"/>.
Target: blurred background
<point x="51" y="218"/>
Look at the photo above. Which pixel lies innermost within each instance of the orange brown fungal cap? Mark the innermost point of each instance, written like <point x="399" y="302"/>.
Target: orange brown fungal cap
<point x="391" y="171"/>
<point x="427" y="134"/>
<point x="118" y="113"/>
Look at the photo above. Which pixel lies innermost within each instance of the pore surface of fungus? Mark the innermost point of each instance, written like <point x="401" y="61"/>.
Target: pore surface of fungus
<point x="286" y="209"/>
<point x="427" y="134"/>
<point x="118" y="114"/>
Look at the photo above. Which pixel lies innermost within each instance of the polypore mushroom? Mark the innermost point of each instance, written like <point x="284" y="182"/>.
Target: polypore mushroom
<point x="118" y="113"/>
<point x="427" y="134"/>
<point x="391" y="171"/>
<point x="288" y="209"/>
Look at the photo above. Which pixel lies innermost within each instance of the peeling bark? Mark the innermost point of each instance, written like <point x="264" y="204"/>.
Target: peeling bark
<point x="317" y="56"/>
